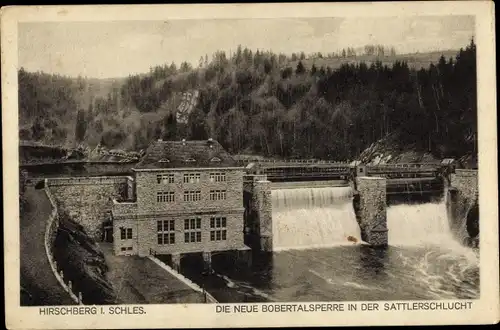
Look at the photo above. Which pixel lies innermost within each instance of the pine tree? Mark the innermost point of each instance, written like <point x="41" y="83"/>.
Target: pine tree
<point x="313" y="70"/>
<point x="300" y="68"/>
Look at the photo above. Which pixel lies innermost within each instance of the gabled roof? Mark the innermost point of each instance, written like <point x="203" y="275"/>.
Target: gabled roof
<point x="185" y="154"/>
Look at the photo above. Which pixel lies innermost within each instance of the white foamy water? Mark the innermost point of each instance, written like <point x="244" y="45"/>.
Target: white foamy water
<point x="448" y="264"/>
<point x="421" y="225"/>
<point x="313" y="218"/>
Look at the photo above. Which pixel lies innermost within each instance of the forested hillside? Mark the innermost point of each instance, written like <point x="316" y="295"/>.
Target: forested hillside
<point x="259" y="103"/>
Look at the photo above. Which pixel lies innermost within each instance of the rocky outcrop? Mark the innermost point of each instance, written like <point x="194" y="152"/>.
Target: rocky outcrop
<point x="82" y="262"/>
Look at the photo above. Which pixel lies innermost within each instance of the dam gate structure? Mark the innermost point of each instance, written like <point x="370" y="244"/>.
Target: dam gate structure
<point x="326" y="202"/>
<point x="370" y="187"/>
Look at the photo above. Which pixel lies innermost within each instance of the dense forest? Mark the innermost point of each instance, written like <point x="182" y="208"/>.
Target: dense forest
<point x="258" y="103"/>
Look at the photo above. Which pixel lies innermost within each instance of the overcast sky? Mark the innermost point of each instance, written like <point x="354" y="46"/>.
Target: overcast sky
<point x="117" y="49"/>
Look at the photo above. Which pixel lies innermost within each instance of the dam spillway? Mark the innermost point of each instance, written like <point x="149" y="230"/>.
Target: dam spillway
<point x="421" y="225"/>
<point x="445" y="265"/>
<point x="305" y="218"/>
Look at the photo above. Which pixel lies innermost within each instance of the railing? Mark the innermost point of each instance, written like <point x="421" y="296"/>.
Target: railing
<point x="51" y="229"/>
<point x="291" y="161"/>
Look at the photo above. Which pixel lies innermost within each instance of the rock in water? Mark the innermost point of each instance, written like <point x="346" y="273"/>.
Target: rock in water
<point x="352" y="239"/>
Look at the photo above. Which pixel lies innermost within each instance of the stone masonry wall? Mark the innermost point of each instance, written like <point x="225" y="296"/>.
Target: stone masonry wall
<point x="462" y="199"/>
<point x="87" y="199"/>
<point x="147" y="188"/>
<point x="372" y="209"/>
<point x="262" y="205"/>
<point x="465" y="181"/>
<point x="143" y="215"/>
<point x="146" y="242"/>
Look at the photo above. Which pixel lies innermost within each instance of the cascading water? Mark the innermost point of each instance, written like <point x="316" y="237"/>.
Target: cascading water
<point x="424" y="260"/>
<point x="447" y="267"/>
<point x="313" y="218"/>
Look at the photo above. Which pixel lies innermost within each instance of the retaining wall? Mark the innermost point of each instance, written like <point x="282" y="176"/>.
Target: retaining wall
<point x="88" y="200"/>
<point x="49" y="238"/>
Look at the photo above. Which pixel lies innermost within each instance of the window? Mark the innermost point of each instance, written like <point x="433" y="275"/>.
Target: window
<point x="166" y="231"/>
<point x="165" y="196"/>
<point x="192" y="178"/>
<point x="164" y="160"/>
<point x="217" y="195"/>
<point x="218" y="229"/>
<point x="125" y="233"/>
<point x="192" y="230"/>
<point x="192" y="196"/>
<point x="128" y="248"/>
<point x="165" y="178"/>
<point x="215" y="159"/>
<point x="190" y="160"/>
<point x="217" y="177"/>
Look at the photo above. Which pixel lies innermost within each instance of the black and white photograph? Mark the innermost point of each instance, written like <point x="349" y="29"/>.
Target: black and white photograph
<point x="301" y="160"/>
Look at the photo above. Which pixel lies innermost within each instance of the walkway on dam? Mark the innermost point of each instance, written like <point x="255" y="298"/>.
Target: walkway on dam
<point x="37" y="277"/>
<point x="139" y="280"/>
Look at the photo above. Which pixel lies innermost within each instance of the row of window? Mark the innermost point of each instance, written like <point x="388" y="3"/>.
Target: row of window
<point x="190" y="224"/>
<point x="189" y="196"/>
<point x="190" y="178"/>
<point x="165" y="178"/>
<point x="217" y="195"/>
<point x="192" y="196"/>
<point x="165" y="196"/>
<point x="192" y="237"/>
<point x="192" y="231"/>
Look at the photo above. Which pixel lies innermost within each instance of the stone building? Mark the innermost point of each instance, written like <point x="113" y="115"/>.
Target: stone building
<point x="185" y="197"/>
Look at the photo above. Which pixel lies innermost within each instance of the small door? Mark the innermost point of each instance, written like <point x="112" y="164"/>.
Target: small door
<point x="108" y="234"/>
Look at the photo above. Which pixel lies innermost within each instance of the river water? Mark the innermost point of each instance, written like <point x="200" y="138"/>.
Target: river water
<point x="317" y="259"/>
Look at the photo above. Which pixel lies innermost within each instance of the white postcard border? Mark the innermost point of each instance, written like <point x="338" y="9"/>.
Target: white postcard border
<point x="484" y="310"/>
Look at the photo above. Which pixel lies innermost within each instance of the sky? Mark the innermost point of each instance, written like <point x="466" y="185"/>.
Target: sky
<point x="119" y="48"/>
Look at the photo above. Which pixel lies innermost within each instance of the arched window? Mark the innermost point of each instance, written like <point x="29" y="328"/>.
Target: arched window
<point x="190" y="160"/>
<point x="215" y="159"/>
<point x="164" y="160"/>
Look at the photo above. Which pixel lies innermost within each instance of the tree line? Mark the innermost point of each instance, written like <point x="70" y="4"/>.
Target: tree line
<point x="255" y="102"/>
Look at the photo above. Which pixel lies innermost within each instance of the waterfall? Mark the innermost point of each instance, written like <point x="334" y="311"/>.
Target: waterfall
<point x="447" y="267"/>
<point x="421" y="225"/>
<point x="313" y="218"/>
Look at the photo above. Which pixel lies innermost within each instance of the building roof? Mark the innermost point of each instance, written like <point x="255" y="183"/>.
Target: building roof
<point x="185" y="154"/>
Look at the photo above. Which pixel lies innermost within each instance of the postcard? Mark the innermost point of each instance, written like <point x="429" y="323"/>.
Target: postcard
<point x="249" y="165"/>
